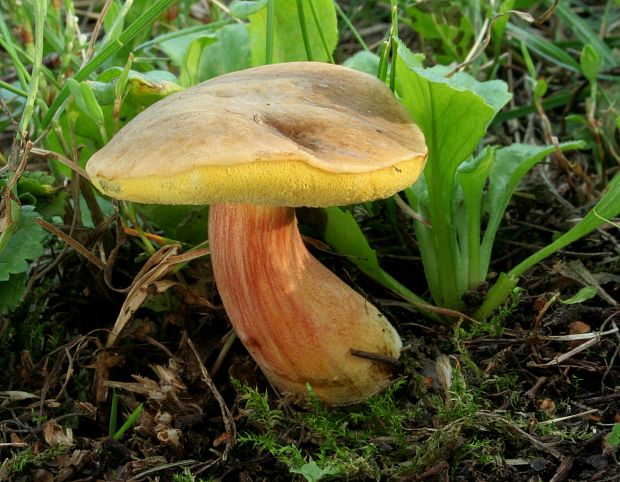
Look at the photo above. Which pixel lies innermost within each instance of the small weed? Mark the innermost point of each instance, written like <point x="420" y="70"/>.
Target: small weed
<point x="187" y="476"/>
<point x="22" y="463"/>
<point x="463" y="402"/>
<point x="481" y="450"/>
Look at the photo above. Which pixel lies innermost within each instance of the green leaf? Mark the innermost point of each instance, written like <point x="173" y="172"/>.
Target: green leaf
<point x="454" y="113"/>
<point x="144" y="21"/>
<point x="614" y="435"/>
<point x="12" y="291"/>
<point x="590" y="62"/>
<point x="243" y="9"/>
<point x="191" y="60"/>
<point x="345" y="236"/>
<point x="113" y="21"/>
<point x="313" y="473"/>
<point x="607" y="207"/>
<point x="364" y="61"/>
<point x="177" y="47"/>
<point x="511" y="164"/>
<point x="443" y="26"/>
<point x="94" y="109"/>
<point x="187" y="224"/>
<point x="584" y="294"/>
<point x="584" y="32"/>
<point x="230" y="53"/>
<point x="24" y="243"/>
<point x="76" y="93"/>
<point x="36" y="183"/>
<point x="540" y="88"/>
<point x="288" y="42"/>
<point x="472" y="179"/>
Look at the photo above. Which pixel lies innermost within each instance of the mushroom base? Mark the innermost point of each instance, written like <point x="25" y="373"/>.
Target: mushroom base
<point x="297" y="319"/>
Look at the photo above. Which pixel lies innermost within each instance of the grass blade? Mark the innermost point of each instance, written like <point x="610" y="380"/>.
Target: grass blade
<point x="328" y="52"/>
<point x="584" y="33"/>
<point x="271" y="14"/>
<point x="304" y="30"/>
<point x="128" y="423"/>
<point x="350" y="26"/>
<point x="142" y="22"/>
<point x="40" y="13"/>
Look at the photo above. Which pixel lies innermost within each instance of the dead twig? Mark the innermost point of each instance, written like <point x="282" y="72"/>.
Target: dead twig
<point x="72" y="242"/>
<point x="229" y="423"/>
<point x="147" y="282"/>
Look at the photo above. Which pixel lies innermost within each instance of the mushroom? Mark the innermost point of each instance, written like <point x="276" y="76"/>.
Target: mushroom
<point x="255" y="144"/>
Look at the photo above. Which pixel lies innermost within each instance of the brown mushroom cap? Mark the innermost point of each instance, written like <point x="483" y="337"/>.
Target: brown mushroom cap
<point x="293" y="134"/>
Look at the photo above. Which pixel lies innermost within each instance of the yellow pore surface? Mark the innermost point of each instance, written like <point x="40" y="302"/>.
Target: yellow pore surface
<point x="285" y="183"/>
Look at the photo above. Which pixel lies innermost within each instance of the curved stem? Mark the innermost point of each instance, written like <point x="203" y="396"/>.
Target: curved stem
<point x="297" y="319"/>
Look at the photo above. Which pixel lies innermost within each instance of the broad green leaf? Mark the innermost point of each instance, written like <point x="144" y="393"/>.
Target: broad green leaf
<point x="176" y="48"/>
<point x="511" y="164"/>
<point x="24" y="243"/>
<point x="454" y="113"/>
<point x="230" y="53"/>
<point x="313" y="473"/>
<point x="187" y="224"/>
<point x="288" y="42"/>
<point x="584" y="294"/>
<point x="243" y="9"/>
<point x="142" y="89"/>
<point x="11" y="291"/>
<point x="345" y="236"/>
<point x="36" y="183"/>
<point x="191" y="60"/>
<point x="364" y="61"/>
<point x="614" y="435"/>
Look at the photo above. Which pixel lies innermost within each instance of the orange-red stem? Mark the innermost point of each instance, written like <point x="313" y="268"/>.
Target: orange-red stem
<point x="296" y="318"/>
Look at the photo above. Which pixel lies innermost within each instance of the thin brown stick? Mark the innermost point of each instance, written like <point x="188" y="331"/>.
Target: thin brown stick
<point x="73" y="243"/>
<point x="229" y="423"/>
<point x="60" y="158"/>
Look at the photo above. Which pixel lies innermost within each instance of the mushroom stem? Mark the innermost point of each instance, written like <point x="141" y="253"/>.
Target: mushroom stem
<point x="297" y="319"/>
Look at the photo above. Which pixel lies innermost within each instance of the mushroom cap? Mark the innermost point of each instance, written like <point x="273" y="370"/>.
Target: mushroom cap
<point x="292" y="134"/>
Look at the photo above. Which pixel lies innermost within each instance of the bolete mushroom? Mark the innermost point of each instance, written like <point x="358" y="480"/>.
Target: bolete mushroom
<point x="255" y="144"/>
